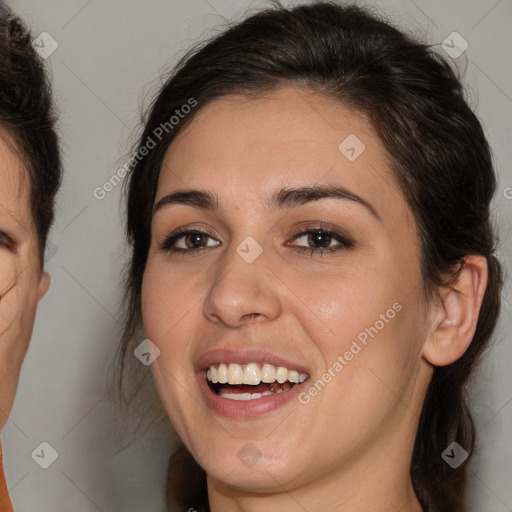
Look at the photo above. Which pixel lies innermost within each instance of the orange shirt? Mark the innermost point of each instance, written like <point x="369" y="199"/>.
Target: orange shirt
<point x="5" y="501"/>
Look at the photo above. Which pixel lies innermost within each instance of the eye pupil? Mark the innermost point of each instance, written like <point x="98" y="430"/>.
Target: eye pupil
<point x="317" y="238"/>
<point x="197" y="238"/>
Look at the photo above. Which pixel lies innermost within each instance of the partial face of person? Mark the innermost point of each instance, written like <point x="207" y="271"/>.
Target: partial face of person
<point x="303" y="305"/>
<point x="22" y="281"/>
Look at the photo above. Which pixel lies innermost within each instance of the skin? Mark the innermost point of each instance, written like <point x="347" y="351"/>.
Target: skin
<point x="22" y="279"/>
<point x="349" y="448"/>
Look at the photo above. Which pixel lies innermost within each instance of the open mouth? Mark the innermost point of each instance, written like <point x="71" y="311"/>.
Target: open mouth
<point x="251" y="381"/>
<point x="248" y="391"/>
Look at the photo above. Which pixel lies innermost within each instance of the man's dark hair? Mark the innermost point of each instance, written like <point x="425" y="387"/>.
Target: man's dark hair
<point x="28" y="118"/>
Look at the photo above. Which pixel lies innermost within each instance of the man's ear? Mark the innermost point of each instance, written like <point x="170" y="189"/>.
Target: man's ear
<point x="455" y="318"/>
<point x="44" y="285"/>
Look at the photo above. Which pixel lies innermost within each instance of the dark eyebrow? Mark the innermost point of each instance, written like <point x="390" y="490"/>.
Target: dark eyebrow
<point x="283" y="198"/>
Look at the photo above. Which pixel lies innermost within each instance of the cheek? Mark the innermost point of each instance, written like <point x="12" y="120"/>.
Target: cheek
<point x="367" y="325"/>
<point x="18" y="303"/>
<point x="159" y="303"/>
<point x="169" y="323"/>
<point x="166" y="315"/>
<point x="17" y="312"/>
<point x="170" y="296"/>
<point x="9" y="293"/>
<point x="340" y="307"/>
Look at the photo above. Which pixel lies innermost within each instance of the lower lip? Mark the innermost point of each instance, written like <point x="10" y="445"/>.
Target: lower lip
<point x="244" y="409"/>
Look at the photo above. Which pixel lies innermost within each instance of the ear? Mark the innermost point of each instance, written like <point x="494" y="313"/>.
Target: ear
<point x="454" y="320"/>
<point x="44" y="285"/>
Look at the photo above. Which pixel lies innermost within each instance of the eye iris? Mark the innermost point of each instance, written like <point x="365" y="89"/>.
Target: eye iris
<point x="316" y="238"/>
<point x="197" y="239"/>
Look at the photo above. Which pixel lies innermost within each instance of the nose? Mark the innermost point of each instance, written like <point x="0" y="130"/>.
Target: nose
<point x="242" y="291"/>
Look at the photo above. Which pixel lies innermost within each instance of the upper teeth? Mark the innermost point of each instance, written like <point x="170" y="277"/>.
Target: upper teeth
<point x="252" y="374"/>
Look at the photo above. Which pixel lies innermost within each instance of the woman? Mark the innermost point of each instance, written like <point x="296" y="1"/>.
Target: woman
<point x="30" y="173"/>
<point x="312" y="266"/>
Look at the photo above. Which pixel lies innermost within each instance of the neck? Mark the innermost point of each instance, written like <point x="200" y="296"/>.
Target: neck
<point x="336" y="495"/>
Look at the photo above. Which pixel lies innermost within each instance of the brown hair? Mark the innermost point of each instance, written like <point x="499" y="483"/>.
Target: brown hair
<point x="439" y="155"/>
<point x="27" y="116"/>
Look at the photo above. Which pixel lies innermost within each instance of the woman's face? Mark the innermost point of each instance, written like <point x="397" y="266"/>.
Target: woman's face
<point x="251" y="291"/>
<point x="22" y="282"/>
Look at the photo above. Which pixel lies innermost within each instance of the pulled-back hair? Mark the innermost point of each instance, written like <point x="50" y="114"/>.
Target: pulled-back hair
<point x="27" y="117"/>
<point x="439" y="156"/>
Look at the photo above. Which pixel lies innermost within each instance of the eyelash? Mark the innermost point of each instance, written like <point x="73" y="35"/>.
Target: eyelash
<point x="345" y="243"/>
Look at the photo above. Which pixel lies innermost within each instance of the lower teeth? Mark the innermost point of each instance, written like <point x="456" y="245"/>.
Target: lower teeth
<point x="249" y="396"/>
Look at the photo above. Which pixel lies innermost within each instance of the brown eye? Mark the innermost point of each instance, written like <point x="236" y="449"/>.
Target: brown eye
<point x="321" y="240"/>
<point x="194" y="240"/>
<point x="191" y="238"/>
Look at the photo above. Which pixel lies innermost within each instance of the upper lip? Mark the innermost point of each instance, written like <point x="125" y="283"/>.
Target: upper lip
<point x="244" y="356"/>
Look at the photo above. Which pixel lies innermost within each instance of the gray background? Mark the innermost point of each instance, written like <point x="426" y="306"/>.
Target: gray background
<point x="109" y="54"/>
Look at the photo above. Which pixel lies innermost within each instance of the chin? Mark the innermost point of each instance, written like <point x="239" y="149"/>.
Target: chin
<point x="257" y="466"/>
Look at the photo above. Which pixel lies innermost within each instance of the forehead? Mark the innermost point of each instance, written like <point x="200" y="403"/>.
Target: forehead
<point x="15" y="186"/>
<point x="290" y="136"/>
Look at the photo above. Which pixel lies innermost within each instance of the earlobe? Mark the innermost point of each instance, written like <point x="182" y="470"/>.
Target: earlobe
<point x="44" y="285"/>
<point x="455" y="319"/>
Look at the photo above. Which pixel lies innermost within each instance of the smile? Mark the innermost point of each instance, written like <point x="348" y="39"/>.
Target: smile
<point x="252" y="381"/>
<point x="247" y="401"/>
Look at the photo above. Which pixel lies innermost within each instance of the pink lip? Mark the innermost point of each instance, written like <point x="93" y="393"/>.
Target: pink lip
<point x="245" y="409"/>
<point x="241" y="356"/>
